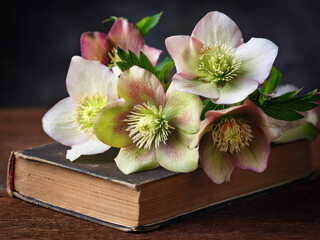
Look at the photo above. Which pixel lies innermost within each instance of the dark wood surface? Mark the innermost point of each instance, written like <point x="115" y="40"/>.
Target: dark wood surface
<point x="291" y="213"/>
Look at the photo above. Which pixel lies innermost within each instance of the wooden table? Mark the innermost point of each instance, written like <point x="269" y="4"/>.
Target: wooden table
<point x="292" y="213"/>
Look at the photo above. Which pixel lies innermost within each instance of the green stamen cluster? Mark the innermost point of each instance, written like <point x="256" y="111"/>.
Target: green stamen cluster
<point x="231" y="134"/>
<point x="218" y="64"/>
<point x="148" y="126"/>
<point x="87" y="110"/>
<point x="113" y="56"/>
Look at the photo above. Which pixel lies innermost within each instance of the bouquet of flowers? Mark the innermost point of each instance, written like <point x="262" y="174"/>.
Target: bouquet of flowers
<point x="222" y="106"/>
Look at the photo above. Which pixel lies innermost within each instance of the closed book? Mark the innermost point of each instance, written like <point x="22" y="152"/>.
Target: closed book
<point x="93" y="188"/>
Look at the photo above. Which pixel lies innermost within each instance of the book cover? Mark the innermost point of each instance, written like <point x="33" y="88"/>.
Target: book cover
<point x="93" y="188"/>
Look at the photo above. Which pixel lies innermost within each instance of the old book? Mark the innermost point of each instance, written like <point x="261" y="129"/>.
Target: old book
<point x="94" y="189"/>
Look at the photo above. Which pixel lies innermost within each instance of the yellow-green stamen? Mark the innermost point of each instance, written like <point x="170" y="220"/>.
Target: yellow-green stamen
<point x="218" y="64"/>
<point x="113" y="57"/>
<point x="88" y="108"/>
<point x="148" y="126"/>
<point x="231" y="134"/>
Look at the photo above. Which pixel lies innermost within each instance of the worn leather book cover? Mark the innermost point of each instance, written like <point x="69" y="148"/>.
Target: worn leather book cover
<point x="93" y="188"/>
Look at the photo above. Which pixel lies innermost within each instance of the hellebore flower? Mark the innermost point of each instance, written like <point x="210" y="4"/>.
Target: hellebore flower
<point x="215" y="63"/>
<point x="91" y="87"/>
<point x="238" y="136"/>
<point x="103" y="47"/>
<point x="151" y="127"/>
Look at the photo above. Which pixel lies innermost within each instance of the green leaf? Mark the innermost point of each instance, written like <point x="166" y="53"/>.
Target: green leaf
<point x="209" y="105"/>
<point x="147" y="23"/>
<point x="163" y="63"/>
<point x="275" y="77"/>
<point x="129" y="60"/>
<point x="146" y="64"/>
<point x="164" y="74"/>
<point x="287" y="106"/>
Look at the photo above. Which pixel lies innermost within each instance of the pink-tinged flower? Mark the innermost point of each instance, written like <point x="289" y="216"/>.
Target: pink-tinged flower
<point x="215" y="63"/>
<point x="238" y="136"/>
<point x="103" y="47"/>
<point x="91" y="87"/>
<point x="151" y="127"/>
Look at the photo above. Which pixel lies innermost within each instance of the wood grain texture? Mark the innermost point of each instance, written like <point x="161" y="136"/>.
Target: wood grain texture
<point x="292" y="213"/>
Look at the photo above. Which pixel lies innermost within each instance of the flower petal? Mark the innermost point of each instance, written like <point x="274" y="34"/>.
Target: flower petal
<point x="133" y="159"/>
<point x="217" y="27"/>
<point x="92" y="146"/>
<point x="87" y="77"/>
<point x="153" y="54"/>
<point x="125" y="35"/>
<point x="95" y="46"/>
<point x="305" y="130"/>
<point x="236" y="91"/>
<point x="184" y="50"/>
<point x="257" y="57"/>
<point x="255" y="156"/>
<point x="195" y="86"/>
<point x="183" y="110"/>
<point x="59" y="123"/>
<point x="175" y="155"/>
<point x="110" y="127"/>
<point x="215" y="163"/>
<point x="140" y="86"/>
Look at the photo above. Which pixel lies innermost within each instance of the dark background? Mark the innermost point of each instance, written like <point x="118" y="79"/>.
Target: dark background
<point x="38" y="39"/>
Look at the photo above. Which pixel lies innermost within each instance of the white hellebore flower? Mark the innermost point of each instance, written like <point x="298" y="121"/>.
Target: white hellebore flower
<point x="91" y="86"/>
<point x="215" y="63"/>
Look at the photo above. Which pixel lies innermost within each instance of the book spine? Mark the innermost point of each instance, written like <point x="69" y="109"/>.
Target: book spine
<point x="10" y="174"/>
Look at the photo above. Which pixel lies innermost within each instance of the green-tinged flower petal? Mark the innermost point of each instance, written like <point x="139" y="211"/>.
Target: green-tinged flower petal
<point x="255" y="156"/>
<point x="183" y="110"/>
<point x="175" y="154"/>
<point x="60" y="124"/>
<point x="195" y="86"/>
<point x="304" y="131"/>
<point x="132" y="159"/>
<point x="92" y="146"/>
<point x="110" y="127"/>
<point x="215" y="163"/>
<point x="140" y="86"/>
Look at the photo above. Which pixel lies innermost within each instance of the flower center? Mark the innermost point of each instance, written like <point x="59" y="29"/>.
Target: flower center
<point x="231" y="134"/>
<point x="148" y="126"/>
<point x="113" y="56"/>
<point x="218" y="64"/>
<point x="87" y="110"/>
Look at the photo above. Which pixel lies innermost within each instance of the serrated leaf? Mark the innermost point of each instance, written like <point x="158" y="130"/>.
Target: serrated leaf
<point x="275" y="77"/>
<point x="146" y="64"/>
<point x="147" y="23"/>
<point x="287" y="107"/>
<point x="165" y="72"/>
<point x="163" y="63"/>
<point x="133" y="58"/>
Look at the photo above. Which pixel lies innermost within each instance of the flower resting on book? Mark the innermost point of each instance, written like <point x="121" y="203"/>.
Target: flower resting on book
<point x="156" y="123"/>
<point x="215" y="63"/>
<point x="151" y="127"/>
<point x="238" y="136"/>
<point x="91" y="87"/>
<point x="103" y="47"/>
